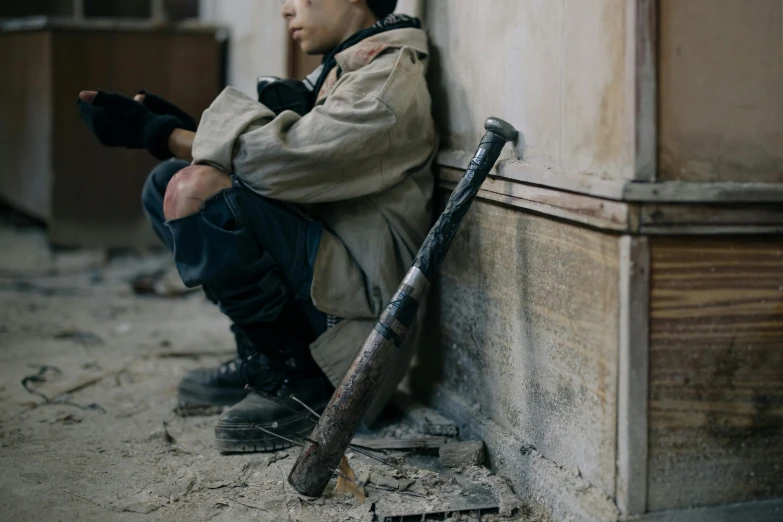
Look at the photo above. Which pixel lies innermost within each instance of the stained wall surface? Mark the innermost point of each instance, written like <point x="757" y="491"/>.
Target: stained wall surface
<point x="556" y="70"/>
<point x="716" y="371"/>
<point x="529" y="332"/>
<point x="721" y="85"/>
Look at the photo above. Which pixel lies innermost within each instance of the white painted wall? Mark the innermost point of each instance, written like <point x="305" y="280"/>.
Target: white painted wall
<point x="556" y="69"/>
<point x="259" y="39"/>
<point x="411" y="7"/>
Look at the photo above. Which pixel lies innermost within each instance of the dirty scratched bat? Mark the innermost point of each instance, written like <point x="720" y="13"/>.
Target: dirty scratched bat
<point x="322" y="453"/>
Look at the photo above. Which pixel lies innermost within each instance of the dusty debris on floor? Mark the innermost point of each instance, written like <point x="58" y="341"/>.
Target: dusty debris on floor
<point x="105" y="362"/>
<point x="406" y="443"/>
<point x="425" y="419"/>
<point x="462" y="454"/>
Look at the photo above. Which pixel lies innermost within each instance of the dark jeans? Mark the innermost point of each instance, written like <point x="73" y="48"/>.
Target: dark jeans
<point x="251" y="255"/>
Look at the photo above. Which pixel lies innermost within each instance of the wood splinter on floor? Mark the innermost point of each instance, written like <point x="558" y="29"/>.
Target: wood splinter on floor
<point x="348" y="482"/>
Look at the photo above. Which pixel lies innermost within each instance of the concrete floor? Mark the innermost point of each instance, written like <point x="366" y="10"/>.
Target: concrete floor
<point x="110" y="446"/>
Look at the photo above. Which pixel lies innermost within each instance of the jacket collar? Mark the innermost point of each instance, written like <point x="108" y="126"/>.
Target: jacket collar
<point x="364" y="52"/>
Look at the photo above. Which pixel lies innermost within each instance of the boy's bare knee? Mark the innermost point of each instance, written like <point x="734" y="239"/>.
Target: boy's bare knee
<point x="190" y="187"/>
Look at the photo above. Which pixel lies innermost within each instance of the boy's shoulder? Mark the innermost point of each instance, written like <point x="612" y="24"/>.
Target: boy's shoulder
<point x="385" y="61"/>
<point x="366" y="51"/>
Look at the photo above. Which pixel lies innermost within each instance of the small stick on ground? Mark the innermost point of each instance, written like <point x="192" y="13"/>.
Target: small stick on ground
<point x="272" y="433"/>
<point x="357" y="449"/>
<point x="305" y="406"/>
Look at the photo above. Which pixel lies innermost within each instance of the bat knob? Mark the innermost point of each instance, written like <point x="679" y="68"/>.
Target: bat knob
<point x="501" y="128"/>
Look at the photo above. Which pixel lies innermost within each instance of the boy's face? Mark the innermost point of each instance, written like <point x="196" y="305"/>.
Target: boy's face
<point x="318" y="26"/>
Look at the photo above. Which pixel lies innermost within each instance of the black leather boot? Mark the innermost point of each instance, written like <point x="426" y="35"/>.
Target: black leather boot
<point x="237" y="429"/>
<point x="274" y="377"/>
<point x="209" y="388"/>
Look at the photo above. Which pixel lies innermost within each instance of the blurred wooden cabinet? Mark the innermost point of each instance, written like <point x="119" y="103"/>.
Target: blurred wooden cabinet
<point x="171" y="10"/>
<point x="53" y="167"/>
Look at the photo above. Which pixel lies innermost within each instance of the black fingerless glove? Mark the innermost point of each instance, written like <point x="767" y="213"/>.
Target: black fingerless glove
<point x="164" y="107"/>
<point x="119" y="121"/>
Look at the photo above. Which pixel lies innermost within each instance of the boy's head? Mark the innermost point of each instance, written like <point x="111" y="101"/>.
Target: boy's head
<point x="318" y="26"/>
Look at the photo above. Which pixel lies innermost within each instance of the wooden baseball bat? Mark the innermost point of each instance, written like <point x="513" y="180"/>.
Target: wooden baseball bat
<point x="342" y="416"/>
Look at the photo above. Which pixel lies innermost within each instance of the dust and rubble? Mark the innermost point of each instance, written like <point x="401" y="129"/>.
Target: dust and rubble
<point x="459" y="454"/>
<point x="89" y="431"/>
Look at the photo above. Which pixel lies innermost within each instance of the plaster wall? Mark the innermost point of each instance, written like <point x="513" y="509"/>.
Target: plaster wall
<point x="557" y="70"/>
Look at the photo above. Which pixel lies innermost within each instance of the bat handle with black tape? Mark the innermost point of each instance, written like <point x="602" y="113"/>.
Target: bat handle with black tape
<point x="321" y="455"/>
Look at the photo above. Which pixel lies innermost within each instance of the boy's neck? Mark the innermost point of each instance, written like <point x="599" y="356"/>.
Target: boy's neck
<point x="359" y="24"/>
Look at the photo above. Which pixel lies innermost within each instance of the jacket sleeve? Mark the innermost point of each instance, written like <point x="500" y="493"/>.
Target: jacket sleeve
<point x="335" y="152"/>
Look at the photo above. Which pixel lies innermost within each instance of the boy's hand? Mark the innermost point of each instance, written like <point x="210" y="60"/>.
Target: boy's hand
<point x="119" y="121"/>
<point x="164" y="107"/>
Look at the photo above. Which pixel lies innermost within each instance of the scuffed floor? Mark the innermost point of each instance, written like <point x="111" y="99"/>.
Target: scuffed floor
<point x="110" y="446"/>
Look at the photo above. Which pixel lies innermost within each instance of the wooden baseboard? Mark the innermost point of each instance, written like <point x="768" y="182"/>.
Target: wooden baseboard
<point x="627" y="217"/>
<point x="621" y="189"/>
<point x="540" y="482"/>
<point x="766" y="511"/>
<point x="537" y="479"/>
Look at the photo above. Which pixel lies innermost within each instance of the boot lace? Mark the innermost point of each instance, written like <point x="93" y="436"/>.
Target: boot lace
<point x="261" y="372"/>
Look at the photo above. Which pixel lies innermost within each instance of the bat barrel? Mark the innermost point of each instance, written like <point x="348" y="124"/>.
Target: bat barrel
<point x="352" y="398"/>
<point x="345" y="411"/>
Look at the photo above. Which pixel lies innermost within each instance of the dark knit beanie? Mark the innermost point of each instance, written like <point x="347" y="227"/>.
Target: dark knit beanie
<point x="382" y="8"/>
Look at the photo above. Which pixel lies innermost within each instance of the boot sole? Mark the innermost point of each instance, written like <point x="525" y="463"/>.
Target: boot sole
<point x="245" y="438"/>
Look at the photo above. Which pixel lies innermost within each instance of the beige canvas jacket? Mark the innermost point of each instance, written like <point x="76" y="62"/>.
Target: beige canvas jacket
<point x="360" y="163"/>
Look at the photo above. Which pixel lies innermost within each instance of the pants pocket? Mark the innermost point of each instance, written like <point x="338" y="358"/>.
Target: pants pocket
<point x="212" y="248"/>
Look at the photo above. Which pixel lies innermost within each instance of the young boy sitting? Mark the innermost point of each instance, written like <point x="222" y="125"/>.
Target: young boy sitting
<point x="300" y="228"/>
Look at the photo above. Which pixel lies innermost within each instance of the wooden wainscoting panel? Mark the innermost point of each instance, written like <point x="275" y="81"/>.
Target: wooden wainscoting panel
<point x="716" y="371"/>
<point x="529" y="335"/>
